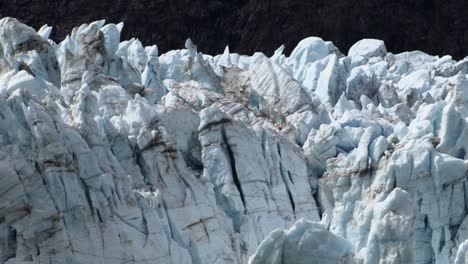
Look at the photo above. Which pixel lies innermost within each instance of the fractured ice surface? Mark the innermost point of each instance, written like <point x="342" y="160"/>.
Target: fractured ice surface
<point x="305" y="242"/>
<point x="111" y="152"/>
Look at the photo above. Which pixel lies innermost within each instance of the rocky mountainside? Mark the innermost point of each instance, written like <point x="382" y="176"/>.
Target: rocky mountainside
<point x="111" y="152"/>
<point x="247" y="26"/>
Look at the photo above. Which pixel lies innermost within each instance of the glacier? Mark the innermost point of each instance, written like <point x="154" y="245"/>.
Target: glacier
<point x="111" y="152"/>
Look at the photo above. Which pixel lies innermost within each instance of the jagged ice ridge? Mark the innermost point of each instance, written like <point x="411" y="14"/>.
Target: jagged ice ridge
<point x="113" y="153"/>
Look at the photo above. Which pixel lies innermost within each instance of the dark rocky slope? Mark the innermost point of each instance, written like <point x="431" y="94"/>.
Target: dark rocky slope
<point x="436" y="27"/>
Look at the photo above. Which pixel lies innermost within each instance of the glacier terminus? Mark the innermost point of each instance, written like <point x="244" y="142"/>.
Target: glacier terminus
<point x="111" y="152"/>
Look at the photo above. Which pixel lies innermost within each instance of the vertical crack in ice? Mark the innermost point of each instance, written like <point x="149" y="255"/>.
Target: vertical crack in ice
<point x="232" y="162"/>
<point x="286" y="179"/>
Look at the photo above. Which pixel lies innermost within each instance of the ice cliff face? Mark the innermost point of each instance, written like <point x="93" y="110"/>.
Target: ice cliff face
<point x="113" y="153"/>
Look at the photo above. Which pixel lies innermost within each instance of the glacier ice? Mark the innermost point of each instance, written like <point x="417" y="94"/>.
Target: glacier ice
<point x="305" y="242"/>
<point x="111" y="152"/>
